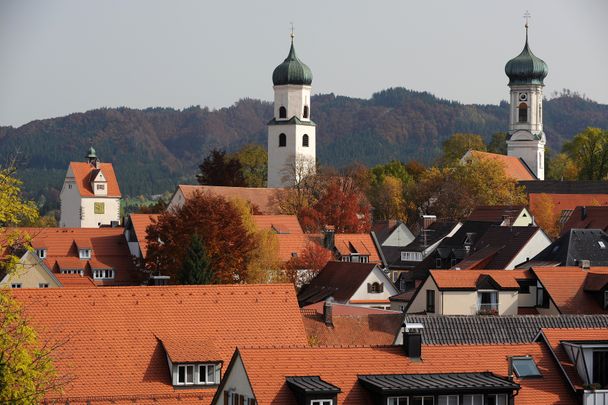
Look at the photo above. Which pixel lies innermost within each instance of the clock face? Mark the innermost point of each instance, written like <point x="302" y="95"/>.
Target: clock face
<point x="523" y="97"/>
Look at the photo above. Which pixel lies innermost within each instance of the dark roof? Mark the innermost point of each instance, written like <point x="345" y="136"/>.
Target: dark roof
<point x="473" y="329"/>
<point x="311" y="385"/>
<point x="292" y="71"/>
<point x="587" y="218"/>
<point x="339" y="280"/>
<point x="509" y="240"/>
<point x="565" y="187"/>
<point x="383" y="229"/>
<point x="431" y="383"/>
<point x="495" y="213"/>
<point x="526" y="68"/>
<point x="576" y="245"/>
<point x="472" y="230"/>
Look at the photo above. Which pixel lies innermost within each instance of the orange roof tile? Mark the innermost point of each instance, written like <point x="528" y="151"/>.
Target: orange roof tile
<point x="367" y="329"/>
<point x="467" y="279"/>
<point x="113" y="351"/>
<point x="290" y="244"/>
<point x="190" y="349"/>
<point x="278" y="223"/>
<point x="554" y="337"/>
<point x="82" y="175"/>
<point x="140" y="224"/>
<point x="361" y="242"/>
<point x="71" y="263"/>
<point x="566" y="287"/>
<point x="568" y="201"/>
<point x="514" y="167"/>
<point x="264" y="199"/>
<point x="341" y="366"/>
<point x="75" y="280"/>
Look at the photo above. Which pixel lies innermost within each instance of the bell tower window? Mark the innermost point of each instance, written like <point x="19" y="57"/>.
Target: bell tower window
<point x="282" y="140"/>
<point x="305" y="111"/>
<point x="305" y="141"/>
<point x="523" y="112"/>
<point x="282" y="112"/>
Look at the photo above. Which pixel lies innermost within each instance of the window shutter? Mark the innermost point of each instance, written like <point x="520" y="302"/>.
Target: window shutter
<point x="381" y="287"/>
<point x="226" y="398"/>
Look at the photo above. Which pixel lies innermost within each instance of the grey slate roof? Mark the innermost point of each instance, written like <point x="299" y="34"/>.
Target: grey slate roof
<point x="431" y="383"/>
<point x="565" y="187"/>
<point x="311" y="385"/>
<point x="576" y="245"/>
<point x="473" y="329"/>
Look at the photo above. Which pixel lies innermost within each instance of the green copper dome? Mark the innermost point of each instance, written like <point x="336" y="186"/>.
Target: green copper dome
<point x="292" y="71"/>
<point x="526" y="68"/>
<point x="91" y="153"/>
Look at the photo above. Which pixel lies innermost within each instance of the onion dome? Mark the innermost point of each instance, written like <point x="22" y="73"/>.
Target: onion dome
<point x="91" y="153"/>
<point x="292" y="71"/>
<point x="526" y="68"/>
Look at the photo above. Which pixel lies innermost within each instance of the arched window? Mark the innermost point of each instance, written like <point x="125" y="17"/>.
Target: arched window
<point x="305" y="111"/>
<point x="375" y="287"/>
<point x="282" y="140"/>
<point x="305" y="141"/>
<point x="282" y="112"/>
<point x="523" y="112"/>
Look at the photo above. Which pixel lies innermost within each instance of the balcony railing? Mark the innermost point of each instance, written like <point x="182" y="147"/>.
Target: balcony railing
<point x="595" y="397"/>
<point x="487" y="309"/>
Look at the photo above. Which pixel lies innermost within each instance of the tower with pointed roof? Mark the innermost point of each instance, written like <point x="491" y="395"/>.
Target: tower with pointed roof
<point x="526" y="139"/>
<point x="291" y="133"/>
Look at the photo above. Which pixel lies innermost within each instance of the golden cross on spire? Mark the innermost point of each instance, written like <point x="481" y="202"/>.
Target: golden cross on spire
<point x="292" y="34"/>
<point x="527" y="16"/>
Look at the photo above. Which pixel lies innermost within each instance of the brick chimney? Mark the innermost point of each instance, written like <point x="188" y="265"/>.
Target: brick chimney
<point x="412" y="340"/>
<point x="329" y="239"/>
<point x="328" y="311"/>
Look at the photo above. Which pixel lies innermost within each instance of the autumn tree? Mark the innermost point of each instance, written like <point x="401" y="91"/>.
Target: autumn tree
<point x="455" y="147"/>
<point x="545" y="214"/>
<point x="498" y="143"/>
<point x="589" y="149"/>
<point x="307" y="264"/>
<point x="220" y="226"/>
<point x="14" y="208"/>
<point x="562" y="167"/>
<point x="218" y="169"/>
<point x="196" y="268"/>
<point x="388" y="183"/>
<point x="254" y="164"/>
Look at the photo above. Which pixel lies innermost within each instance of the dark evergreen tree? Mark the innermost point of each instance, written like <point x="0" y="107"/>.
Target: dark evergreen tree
<point x="220" y="170"/>
<point x="196" y="268"/>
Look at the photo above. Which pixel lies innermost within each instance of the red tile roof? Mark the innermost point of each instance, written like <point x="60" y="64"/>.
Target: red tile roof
<point x="291" y="243"/>
<point x="83" y="176"/>
<point x="278" y="223"/>
<point x="569" y="201"/>
<point x="495" y="213"/>
<point x="554" y="337"/>
<point x="140" y="223"/>
<point x="70" y="263"/>
<point x="190" y="349"/>
<point x="566" y="287"/>
<point x="113" y="351"/>
<point x="368" y="329"/>
<point x="362" y="244"/>
<point x="514" y="167"/>
<point x="467" y="279"/>
<point x="75" y="280"/>
<point x="587" y="218"/>
<point x="340" y="366"/>
<point x="262" y="198"/>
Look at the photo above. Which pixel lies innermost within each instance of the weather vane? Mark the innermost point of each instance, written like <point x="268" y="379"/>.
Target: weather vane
<point x="527" y="16"/>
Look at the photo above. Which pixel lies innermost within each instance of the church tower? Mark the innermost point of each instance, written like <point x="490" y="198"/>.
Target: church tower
<point x="291" y="133"/>
<point x="526" y="139"/>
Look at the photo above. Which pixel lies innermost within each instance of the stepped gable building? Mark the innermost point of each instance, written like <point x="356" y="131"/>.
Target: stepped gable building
<point x="90" y="196"/>
<point x="291" y="133"/>
<point x="526" y="139"/>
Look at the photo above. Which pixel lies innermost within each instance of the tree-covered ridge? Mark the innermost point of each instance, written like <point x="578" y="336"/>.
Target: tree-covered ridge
<point x="155" y="148"/>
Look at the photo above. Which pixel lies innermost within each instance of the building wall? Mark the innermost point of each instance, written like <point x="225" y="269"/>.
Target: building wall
<point x="418" y="305"/>
<point x="92" y="220"/>
<point x="30" y="273"/>
<point x="177" y="201"/>
<point x="534" y="102"/>
<point x="236" y="381"/>
<point x="522" y="220"/>
<point x="401" y="236"/>
<point x="508" y="302"/>
<point x="292" y="160"/>
<point x="70" y="202"/>
<point x="375" y="276"/>
<point x="460" y="302"/>
<point x="552" y="310"/>
<point x="293" y="98"/>
<point x="534" y="246"/>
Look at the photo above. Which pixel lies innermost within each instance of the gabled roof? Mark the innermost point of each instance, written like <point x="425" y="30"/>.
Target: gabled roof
<point x="84" y="174"/>
<point x="587" y="218"/>
<point x="114" y="353"/>
<point x="292" y="244"/>
<point x="504" y="329"/>
<point x="514" y="167"/>
<point x="140" y="223"/>
<point x="563" y="202"/>
<point x="356" y="243"/>
<point x="281" y="224"/>
<point x="566" y="287"/>
<point x="190" y="349"/>
<point x="576" y="245"/>
<point x="469" y="279"/>
<point x="75" y="281"/>
<point x="509" y="240"/>
<point x="264" y="199"/>
<point x="383" y="229"/>
<point x="339" y="280"/>
<point x="267" y="369"/>
<point x="496" y="213"/>
<point x="554" y="339"/>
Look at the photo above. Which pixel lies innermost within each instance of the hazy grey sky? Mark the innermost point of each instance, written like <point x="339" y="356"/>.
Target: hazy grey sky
<point x="64" y="56"/>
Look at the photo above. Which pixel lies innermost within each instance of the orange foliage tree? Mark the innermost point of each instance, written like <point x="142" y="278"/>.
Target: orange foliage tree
<point x="545" y="215"/>
<point x="302" y="268"/>
<point x="220" y="226"/>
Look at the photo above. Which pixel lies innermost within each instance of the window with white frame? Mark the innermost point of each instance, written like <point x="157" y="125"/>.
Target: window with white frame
<point x="185" y="374"/>
<point x="496" y="399"/>
<point x="41" y="253"/>
<point x="411" y="256"/>
<point x="84" y="253"/>
<point x="448" y="399"/>
<point x="397" y="401"/>
<point x="423" y="400"/>
<point x="16" y="285"/>
<point x="206" y="374"/>
<point x="71" y="271"/>
<point x="43" y="285"/>
<point x="322" y="402"/>
<point x="99" y="274"/>
<point x="476" y="399"/>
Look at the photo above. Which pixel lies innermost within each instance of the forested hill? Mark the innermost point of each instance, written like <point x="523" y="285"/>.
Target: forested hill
<point x="155" y="148"/>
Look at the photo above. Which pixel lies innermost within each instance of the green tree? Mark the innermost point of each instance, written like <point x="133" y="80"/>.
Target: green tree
<point x="14" y="209"/>
<point x="498" y="143"/>
<point x="196" y="268"/>
<point x="254" y="164"/>
<point x="562" y="167"/>
<point x="455" y="147"/>
<point x="589" y="149"/>
<point x="218" y="169"/>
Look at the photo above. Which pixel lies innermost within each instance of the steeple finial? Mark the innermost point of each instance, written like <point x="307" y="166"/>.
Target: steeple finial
<point x="292" y="34"/>
<point x="527" y="16"/>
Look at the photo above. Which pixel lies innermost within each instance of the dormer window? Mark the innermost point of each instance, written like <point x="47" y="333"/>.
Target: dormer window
<point x="100" y="186"/>
<point x="185" y="374"/>
<point x="197" y="374"/>
<point x="103" y="274"/>
<point x="206" y="374"/>
<point x="84" y="253"/>
<point x="41" y="253"/>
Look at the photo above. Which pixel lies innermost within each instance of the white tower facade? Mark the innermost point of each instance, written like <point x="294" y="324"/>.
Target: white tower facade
<point x="526" y="138"/>
<point x="291" y="133"/>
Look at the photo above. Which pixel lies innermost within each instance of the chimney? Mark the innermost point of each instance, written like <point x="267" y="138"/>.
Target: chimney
<point x="412" y="340"/>
<point x="328" y="311"/>
<point x="506" y="221"/>
<point x="329" y="240"/>
<point x="585" y="264"/>
<point x="583" y="212"/>
<point x="428" y="220"/>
